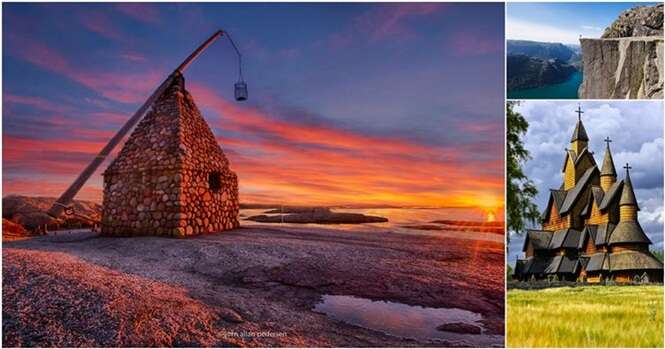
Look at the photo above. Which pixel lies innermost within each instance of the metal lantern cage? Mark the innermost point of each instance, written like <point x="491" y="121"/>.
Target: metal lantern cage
<point x="241" y="91"/>
<point x="240" y="86"/>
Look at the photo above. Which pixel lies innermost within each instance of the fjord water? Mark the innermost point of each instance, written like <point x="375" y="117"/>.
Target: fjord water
<point x="565" y="90"/>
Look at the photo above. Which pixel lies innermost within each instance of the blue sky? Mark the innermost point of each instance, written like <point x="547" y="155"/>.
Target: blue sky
<point x="383" y="86"/>
<point x="636" y="130"/>
<point x="562" y="22"/>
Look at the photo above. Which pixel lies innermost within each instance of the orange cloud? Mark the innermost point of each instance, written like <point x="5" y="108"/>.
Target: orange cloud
<point x="280" y="161"/>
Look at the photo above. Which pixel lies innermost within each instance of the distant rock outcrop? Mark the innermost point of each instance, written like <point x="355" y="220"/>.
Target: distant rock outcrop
<point x="627" y="62"/>
<point x="638" y="21"/>
<point x="529" y="72"/>
<point x="30" y="212"/>
<point x="542" y="50"/>
<point x="11" y="230"/>
<point x="316" y="215"/>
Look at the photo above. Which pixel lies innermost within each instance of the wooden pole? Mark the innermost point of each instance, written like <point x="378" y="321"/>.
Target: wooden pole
<point x="66" y="198"/>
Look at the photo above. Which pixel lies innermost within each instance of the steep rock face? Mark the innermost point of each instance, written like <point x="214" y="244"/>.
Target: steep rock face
<point x="622" y="68"/>
<point x="627" y="62"/>
<point x="529" y="72"/>
<point x="638" y="21"/>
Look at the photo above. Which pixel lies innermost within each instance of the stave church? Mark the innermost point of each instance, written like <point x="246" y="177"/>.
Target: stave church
<point x="590" y="229"/>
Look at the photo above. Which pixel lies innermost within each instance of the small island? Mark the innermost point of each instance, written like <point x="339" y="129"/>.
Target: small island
<point x="316" y="215"/>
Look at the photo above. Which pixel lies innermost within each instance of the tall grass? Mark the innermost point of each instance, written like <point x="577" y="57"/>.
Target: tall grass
<point x="592" y="316"/>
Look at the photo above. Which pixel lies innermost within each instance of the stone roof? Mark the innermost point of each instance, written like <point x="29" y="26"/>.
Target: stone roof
<point x="166" y="136"/>
<point x="633" y="260"/>
<point x="608" y="164"/>
<point x="628" y="232"/>
<point x="574" y="194"/>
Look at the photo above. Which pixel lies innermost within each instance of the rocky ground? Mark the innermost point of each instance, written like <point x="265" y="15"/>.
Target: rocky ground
<point x="210" y="290"/>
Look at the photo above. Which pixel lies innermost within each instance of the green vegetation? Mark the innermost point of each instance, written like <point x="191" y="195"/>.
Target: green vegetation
<point x="590" y="316"/>
<point x="520" y="190"/>
<point x="658" y="254"/>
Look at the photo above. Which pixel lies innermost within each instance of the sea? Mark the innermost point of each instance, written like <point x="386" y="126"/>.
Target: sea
<point x="565" y="90"/>
<point x="398" y="221"/>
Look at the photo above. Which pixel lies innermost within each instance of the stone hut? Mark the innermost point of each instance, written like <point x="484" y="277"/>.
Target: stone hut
<point x="171" y="177"/>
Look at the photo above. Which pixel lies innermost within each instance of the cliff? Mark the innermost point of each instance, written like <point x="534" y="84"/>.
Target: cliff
<point x="622" y="68"/>
<point x="627" y="62"/>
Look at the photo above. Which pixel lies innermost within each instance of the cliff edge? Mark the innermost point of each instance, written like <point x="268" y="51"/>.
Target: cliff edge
<point x="627" y="62"/>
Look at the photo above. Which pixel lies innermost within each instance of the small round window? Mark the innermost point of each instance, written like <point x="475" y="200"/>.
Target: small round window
<point x="215" y="181"/>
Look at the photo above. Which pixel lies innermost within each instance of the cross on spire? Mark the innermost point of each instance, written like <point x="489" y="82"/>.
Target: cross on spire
<point x="608" y="140"/>
<point x="579" y="112"/>
<point x="627" y="167"/>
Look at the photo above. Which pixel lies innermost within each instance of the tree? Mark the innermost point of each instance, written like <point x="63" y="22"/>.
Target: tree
<point x="520" y="190"/>
<point x="658" y="254"/>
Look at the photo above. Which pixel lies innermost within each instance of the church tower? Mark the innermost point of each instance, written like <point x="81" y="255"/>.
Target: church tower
<point x="579" y="146"/>
<point x="628" y="204"/>
<point x="580" y="140"/>
<point x="608" y="174"/>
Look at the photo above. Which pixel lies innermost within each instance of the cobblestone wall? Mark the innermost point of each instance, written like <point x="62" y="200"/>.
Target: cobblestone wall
<point x="171" y="178"/>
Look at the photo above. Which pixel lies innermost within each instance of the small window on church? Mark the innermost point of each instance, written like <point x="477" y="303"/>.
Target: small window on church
<point x="215" y="181"/>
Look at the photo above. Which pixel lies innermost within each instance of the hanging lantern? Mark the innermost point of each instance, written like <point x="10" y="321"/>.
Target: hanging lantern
<point x="241" y="91"/>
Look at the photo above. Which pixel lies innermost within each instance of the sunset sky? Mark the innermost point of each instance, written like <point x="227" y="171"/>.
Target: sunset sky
<point x="350" y="104"/>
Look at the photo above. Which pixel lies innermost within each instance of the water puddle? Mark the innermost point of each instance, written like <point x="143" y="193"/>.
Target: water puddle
<point x="406" y="321"/>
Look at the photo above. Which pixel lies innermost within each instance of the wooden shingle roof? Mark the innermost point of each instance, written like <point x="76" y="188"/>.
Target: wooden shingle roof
<point x="576" y="192"/>
<point x="628" y="232"/>
<point x="633" y="260"/>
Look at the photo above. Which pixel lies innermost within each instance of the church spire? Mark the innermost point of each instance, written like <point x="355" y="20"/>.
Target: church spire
<point x="580" y="133"/>
<point x="608" y="174"/>
<point x="628" y="204"/>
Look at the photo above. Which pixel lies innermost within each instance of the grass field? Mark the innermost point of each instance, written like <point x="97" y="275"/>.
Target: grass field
<point x="592" y="316"/>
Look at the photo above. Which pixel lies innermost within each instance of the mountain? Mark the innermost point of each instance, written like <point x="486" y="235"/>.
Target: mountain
<point x="530" y="72"/>
<point x="542" y="50"/>
<point x="639" y="21"/>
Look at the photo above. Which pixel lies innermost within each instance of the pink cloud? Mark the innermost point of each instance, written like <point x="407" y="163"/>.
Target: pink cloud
<point x="473" y="44"/>
<point x="35" y="102"/>
<point x="388" y="20"/>
<point x="139" y="11"/>
<point x="132" y="56"/>
<point x="99" y="23"/>
<point x="121" y="87"/>
<point x="383" y="22"/>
